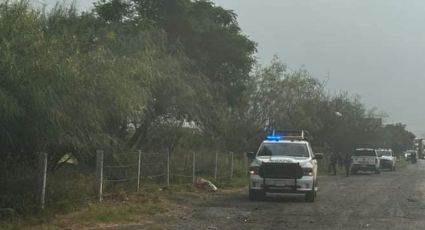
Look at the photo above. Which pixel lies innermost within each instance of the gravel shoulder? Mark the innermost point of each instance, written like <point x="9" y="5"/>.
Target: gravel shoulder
<point x="390" y="200"/>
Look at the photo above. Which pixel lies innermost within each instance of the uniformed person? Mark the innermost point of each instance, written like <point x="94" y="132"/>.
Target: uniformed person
<point x="332" y="163"/>
<point x="347" y="163"/>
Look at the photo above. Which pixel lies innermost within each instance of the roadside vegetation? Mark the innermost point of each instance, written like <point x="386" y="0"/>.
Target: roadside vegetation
<point x="178" y="75"/>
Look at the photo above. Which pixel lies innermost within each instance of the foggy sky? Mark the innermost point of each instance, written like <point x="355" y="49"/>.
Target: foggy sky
<point x="373" y="48"/>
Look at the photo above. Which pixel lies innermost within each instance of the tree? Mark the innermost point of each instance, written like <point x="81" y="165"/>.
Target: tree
<point x="215" y="56"/>
<point x="63" y="89"/>
<point x="396" y="137"/>
<point x="285" y="99"/>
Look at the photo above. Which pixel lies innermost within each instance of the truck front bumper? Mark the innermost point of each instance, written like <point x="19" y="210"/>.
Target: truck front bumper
<point x="359" y="167"/>
<point x="302" y="185"/>
<point x="386" y="164"/>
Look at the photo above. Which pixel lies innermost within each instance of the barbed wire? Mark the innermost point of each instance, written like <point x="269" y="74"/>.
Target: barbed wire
<point x="181" y="175"/>
<point x="154" y="176"/>
<point x="120" y="166"/>
<point x="120" y="180"/>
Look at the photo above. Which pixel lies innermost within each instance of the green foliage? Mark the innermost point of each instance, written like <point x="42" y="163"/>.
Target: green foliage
<point x="396" y="136"/>
<point x="67" y="83"/>
<point x="286" y="99"/>
<point x="283" y="99"/>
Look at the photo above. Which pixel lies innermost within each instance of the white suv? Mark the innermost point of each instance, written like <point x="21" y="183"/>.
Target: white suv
<point x="387" y="159"/>
<point x="365" y="159"/>
<point x="283" y="164"/>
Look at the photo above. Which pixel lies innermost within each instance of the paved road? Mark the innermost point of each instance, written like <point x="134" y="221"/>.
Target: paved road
<point x="391" y="200"/>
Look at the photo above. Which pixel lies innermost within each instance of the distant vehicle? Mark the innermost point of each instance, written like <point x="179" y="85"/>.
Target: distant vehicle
<point x="366" y="160"/>
<point x="284" y="163"/>
<point x="387" y="159"/>
<point x="409" y="153"/>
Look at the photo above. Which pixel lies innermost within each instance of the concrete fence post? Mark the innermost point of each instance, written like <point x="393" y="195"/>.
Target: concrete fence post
<point x="99" y="173"/>
<point x="193" y="167"/>
<point x="216" y="166"/>
<point x="246" y="164"/>
<point x="42" y="180"/>
<point x="231" y="165"/>
<point x="139" y="167"/>
<point x="168" y="169"/>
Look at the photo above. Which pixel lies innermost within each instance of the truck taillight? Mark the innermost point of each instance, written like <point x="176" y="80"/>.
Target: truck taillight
<point x="253" y="170"/>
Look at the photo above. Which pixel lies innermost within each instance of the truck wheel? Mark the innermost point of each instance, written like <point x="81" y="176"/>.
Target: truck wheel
<point x="256" y="195"/>
<point x="310" y="196"/>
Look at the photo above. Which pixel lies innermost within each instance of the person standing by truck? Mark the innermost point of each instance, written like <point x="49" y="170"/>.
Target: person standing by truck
<point x="347" y="162"/>
<point x="413" y="157"/>
<point x="332" y="163"/>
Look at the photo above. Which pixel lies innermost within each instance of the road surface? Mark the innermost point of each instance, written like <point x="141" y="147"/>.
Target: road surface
<point x="390" y="200"/>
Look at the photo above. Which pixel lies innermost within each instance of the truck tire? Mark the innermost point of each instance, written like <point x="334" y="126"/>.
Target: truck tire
<point x="256" y="195"/>
<point x="310" y="196"/>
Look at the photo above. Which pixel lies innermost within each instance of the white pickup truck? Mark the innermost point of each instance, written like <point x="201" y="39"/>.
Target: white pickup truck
<point x="365" y="159"/>
<point x="284" y="163"/>
<point x="387" y="159"/>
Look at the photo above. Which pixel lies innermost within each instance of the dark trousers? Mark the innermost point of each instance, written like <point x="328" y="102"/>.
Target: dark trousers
<point x="332" y="168"/>
<point x="347" y="169"/>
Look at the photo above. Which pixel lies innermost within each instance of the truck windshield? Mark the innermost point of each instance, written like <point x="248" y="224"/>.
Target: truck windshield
<point x="386" y="153"/>
<point x="364" y="153"/>
<point x="283" y="149"/>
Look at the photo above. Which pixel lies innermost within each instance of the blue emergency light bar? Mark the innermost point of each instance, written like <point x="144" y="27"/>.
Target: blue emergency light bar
<point x="278" y="135"/>
<point x="275" y="136"/>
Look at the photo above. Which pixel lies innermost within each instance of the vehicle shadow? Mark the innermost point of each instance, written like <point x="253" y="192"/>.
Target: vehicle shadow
<point x="285" y="198"/>
<point x="363" y="174"/>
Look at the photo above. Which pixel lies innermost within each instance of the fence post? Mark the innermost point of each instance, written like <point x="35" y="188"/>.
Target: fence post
<point x="168" y="169"/>
<point x="216" y="165"/>
<point x="99" y="173"/>
<point x="42" y="179"/>
<point x="193" y="167"/>
<point x="231" y="165"/>
<point x="139" y="166"/>
<point x="246" y="164"/>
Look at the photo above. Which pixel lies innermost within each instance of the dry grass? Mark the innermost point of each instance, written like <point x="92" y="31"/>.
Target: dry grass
<point x="117" y="209"/>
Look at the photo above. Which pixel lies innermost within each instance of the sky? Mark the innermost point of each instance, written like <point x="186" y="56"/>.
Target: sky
<point x="371" y="48"/>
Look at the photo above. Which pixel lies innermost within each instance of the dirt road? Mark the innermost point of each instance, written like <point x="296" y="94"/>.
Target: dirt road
<point x="391" y="200"/>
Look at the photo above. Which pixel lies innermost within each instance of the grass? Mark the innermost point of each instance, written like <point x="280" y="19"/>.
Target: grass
<point x="118" y="207"/>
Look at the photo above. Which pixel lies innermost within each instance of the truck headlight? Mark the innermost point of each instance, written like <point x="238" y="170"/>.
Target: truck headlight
<point x="254" y="170"/>
<point x="308" y="171"/>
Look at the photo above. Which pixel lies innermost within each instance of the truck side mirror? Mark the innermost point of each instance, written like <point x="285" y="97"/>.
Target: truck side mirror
<point x="250" y="155"/>
<point x="318" y="156"/>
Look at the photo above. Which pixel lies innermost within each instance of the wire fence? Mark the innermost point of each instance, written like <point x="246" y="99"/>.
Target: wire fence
<point x="165" y="168"/>
<point x="33" y="188"/>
